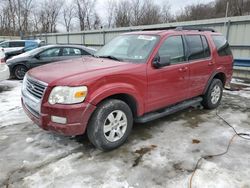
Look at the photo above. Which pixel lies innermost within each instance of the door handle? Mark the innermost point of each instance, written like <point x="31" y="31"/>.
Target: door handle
<point x="183" y="69"/>
<point x="211" y="63"/>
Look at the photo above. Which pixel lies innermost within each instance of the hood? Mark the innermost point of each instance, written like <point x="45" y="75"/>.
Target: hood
<point x="76" y="71"/>
<point x="10" y="50"/>
<point x="20" y="57"/>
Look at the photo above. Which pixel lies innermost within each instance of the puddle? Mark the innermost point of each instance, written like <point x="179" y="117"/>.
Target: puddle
<point x="141" y="152"/>
<point x="195" y="141"/>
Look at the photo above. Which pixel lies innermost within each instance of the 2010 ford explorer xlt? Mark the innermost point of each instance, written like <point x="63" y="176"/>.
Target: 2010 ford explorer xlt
<point x="138" y="76"/>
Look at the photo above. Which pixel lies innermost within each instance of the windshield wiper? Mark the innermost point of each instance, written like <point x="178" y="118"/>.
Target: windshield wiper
<point x="93" y="55"/>
<point x="110" y="57"/>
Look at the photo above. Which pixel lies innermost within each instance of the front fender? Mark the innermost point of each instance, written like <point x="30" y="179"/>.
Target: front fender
<point x="95" y="97"/>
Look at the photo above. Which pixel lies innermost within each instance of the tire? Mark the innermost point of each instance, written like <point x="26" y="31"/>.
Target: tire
<point x="106" y="130"/>
<point x="213" y="95"/>
<point x="19" y="71"/>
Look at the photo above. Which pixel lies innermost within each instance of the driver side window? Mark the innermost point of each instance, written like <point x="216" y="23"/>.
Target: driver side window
<point x="53" y="52"/>
<point x="173" y="47"/>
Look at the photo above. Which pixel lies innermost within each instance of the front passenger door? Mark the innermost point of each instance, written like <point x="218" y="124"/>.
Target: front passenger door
<point x="169" y="85"/>
<point x="47" y="56"/>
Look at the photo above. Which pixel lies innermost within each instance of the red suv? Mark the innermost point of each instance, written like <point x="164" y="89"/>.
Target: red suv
<point x="137" y="77"/>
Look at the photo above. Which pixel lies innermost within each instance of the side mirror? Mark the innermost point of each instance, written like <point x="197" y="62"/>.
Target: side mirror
<point x="37" y="56"/>
<point x="161" y="61"/>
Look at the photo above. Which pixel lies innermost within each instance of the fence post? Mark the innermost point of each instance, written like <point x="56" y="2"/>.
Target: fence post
<point x="83" y="39"/>
<point x="228" y="29"/>
<point x="104" y="39"/>
<point x="46" y="38"/>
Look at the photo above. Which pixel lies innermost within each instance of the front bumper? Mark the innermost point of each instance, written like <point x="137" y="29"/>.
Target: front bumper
<point x="77" y="116"/>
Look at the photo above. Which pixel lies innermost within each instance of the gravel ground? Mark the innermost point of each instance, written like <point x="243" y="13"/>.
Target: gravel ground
<point x="162" y="153"/>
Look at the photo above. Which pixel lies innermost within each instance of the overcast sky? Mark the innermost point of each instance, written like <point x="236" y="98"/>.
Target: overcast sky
<point x="176" y="5"/>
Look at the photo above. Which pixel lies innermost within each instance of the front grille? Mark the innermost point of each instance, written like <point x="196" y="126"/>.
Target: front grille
<point x="35" y="88"/>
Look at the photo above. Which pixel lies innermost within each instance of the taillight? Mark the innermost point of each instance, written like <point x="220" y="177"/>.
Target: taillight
<point x="2" y="60"/>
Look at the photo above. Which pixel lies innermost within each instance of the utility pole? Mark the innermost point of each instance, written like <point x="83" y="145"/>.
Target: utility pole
<point x="226" y="15"/>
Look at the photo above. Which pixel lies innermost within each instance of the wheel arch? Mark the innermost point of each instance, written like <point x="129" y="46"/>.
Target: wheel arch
<point x="19" y="64"/>
<point x="219" y="75"/>
<point x="130" y="100"/>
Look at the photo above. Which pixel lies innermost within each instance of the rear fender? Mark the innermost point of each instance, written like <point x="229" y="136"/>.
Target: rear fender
<point x="218" y="71"/>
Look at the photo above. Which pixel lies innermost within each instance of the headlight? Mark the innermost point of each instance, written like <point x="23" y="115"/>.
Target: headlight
<point x="24" y="82"/>
<point x="67" y="95"/>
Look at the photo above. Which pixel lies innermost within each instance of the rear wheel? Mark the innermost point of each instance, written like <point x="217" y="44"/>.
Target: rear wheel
<point x="110" y="124"/>
<point x="20" y="71"/>
<point x="213" y="95"/>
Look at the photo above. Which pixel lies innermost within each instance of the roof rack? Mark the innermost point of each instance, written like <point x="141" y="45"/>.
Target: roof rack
<point x="194" y="28"/>
<point x="180" y="28"/>
<point x="161" y="28"/>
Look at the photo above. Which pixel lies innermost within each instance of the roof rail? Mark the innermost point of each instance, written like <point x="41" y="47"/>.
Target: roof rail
<point x="180" y="28"/>
<point x="161" y="28"/>
<point x="194" y="28"/>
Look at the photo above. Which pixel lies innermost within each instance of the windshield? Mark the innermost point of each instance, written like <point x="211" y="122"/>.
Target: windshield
<point x="133" y="48"/>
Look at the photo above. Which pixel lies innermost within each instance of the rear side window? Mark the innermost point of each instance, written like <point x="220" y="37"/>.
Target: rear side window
<point x="84" y="52"/>
<point x="205" y="46"/>
<point x="197" y="47"/>
<point x="17" y="44"/>
<point x="222" y="45"/>
<point x="173" y="47"/>
<point x="71" y="52"/>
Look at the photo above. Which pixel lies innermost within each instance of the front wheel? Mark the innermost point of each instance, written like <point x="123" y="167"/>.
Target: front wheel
<point x="212" y="97"/>
<point x="110" y="125"/>
<point x="20" y="71"/>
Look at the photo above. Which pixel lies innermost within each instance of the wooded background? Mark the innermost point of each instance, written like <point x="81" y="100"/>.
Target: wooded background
<point x="29" y="17"/>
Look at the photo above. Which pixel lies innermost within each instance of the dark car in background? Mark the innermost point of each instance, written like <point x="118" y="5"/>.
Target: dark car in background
<point x="16" y="47"/>
<point x="20" y="64"/>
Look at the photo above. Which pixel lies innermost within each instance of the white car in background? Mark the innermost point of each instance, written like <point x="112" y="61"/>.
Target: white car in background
<point x="4" y="69"/>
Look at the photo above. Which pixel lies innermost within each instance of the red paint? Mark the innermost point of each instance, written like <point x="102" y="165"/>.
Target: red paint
<point x="151" y="88"/>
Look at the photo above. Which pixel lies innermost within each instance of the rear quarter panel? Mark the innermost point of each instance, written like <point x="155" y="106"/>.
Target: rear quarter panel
<point x="223" y="64"/>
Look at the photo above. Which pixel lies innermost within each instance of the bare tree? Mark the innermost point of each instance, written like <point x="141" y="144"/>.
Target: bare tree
<point x="48" y="15"/>
<point x="85" y="13"/>
<point x="197" y="12"/>
<point x="110" y="12"/>
<point x="96" y="21"/>
<point x="136" y="12"/>
<point x="122" y="14"/>
<point x="151" y="13"/>
<point x="166" y="15"/>
<point x="68" y="14"/>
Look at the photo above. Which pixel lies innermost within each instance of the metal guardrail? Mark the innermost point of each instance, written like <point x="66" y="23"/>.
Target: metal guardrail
<point x="242" y="68"/>
<point x="242" y="62"/>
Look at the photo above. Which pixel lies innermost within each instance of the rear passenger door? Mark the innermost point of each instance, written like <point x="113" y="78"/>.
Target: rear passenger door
<point x="201" y="65"/>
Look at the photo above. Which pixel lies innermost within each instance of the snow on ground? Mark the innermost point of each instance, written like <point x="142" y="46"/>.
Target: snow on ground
<point x="161" y="153"/>
<point x="11" y="104"/>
